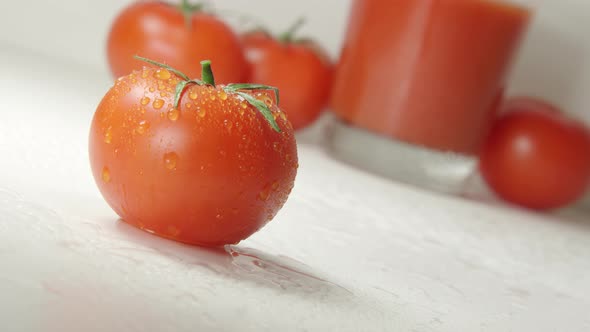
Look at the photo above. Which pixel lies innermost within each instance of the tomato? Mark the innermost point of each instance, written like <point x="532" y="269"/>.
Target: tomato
<point x="299" y="69"/>
<point x="210" y="171"/>
<point x="536" y="157"/>
<point x="175" y="35"/>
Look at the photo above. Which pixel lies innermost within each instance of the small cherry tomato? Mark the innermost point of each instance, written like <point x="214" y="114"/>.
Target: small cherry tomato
<point x="536" y="157"/>
<point x="298" y="68"/>
<point x="189" y="160"/>
<point x="175" y="35"/>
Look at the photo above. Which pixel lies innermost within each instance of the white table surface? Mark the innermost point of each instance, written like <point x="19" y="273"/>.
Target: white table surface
<point x="349" y="252"/>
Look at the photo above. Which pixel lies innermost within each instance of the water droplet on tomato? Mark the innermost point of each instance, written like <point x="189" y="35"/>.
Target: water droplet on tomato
<point x="162" y="74"/>
<point x="152" y="89"/>
<point x="171" y="160"/>
<point x="145" y="100"/>
<point x="142" y="127"/>
<point x="244" y="105"/>
<point x="163" y="94"/>
<point x="283" y="116"/>
<point x="108" y="136"/>
<point x="276" y="146"/>
<point x="158" y="103"/>
<point x="228" y="124"/>
<point x="201" y="112"/>
<point x="219" y="216"/>
<point x="241" y="111"/>
<point x="173" y="114"/>
<point x="265" y="98"/>
<point x="106" y="175"/>
<point x="264" y="194"/>
<point x="193" y="95"/>
<point x="275" y="185"/>
<point x="173" y="231"/>
<point x="212" y="97"/>
<point x="222" y="95"/>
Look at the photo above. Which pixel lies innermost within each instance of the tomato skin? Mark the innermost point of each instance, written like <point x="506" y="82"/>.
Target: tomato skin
<point x="211" y="173"/>
<point x="535" y="157"/>
<point x="158" y="31"/>
<point x="300" y="70"/>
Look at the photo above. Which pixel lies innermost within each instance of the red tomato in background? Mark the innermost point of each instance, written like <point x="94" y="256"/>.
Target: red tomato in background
<point x="159" y="31"/>
<point x="301" y="71"/>
<point x="536" y="157"/>
<point x="211" y="172"/>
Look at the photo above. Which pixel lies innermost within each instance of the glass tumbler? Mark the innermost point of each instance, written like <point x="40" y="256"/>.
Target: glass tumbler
<point x="418" y="84"/>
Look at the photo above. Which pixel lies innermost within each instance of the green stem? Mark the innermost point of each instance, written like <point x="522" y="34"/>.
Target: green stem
<point x="288" y="36"/>
<point x="161" y="65"/>
<point x="209" y="79"/>
<point x="207" y="73"/>
<point x="188" y="10"/>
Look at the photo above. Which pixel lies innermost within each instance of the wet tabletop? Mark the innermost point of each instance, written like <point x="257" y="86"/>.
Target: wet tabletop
<point x="349" y="252"/>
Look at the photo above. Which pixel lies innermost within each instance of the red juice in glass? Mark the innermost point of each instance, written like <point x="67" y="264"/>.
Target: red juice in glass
<point x="427" y="72"/>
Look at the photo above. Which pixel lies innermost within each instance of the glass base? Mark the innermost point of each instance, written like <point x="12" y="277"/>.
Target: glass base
<point x="444" y="172"/>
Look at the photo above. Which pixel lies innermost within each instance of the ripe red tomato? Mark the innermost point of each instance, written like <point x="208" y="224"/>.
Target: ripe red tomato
<point x="536" y="157"/>
<point x="211" y="171"/>
<point x="299" y="69"/>
<point x="175" y="35"/>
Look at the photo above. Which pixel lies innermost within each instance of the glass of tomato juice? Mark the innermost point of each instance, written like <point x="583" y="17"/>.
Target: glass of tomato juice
<point x="419" y="82"/>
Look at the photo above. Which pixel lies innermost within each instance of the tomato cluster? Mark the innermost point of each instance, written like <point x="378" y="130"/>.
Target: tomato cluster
<point x="191" y="160"/>
<point x="182" y="35"/>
